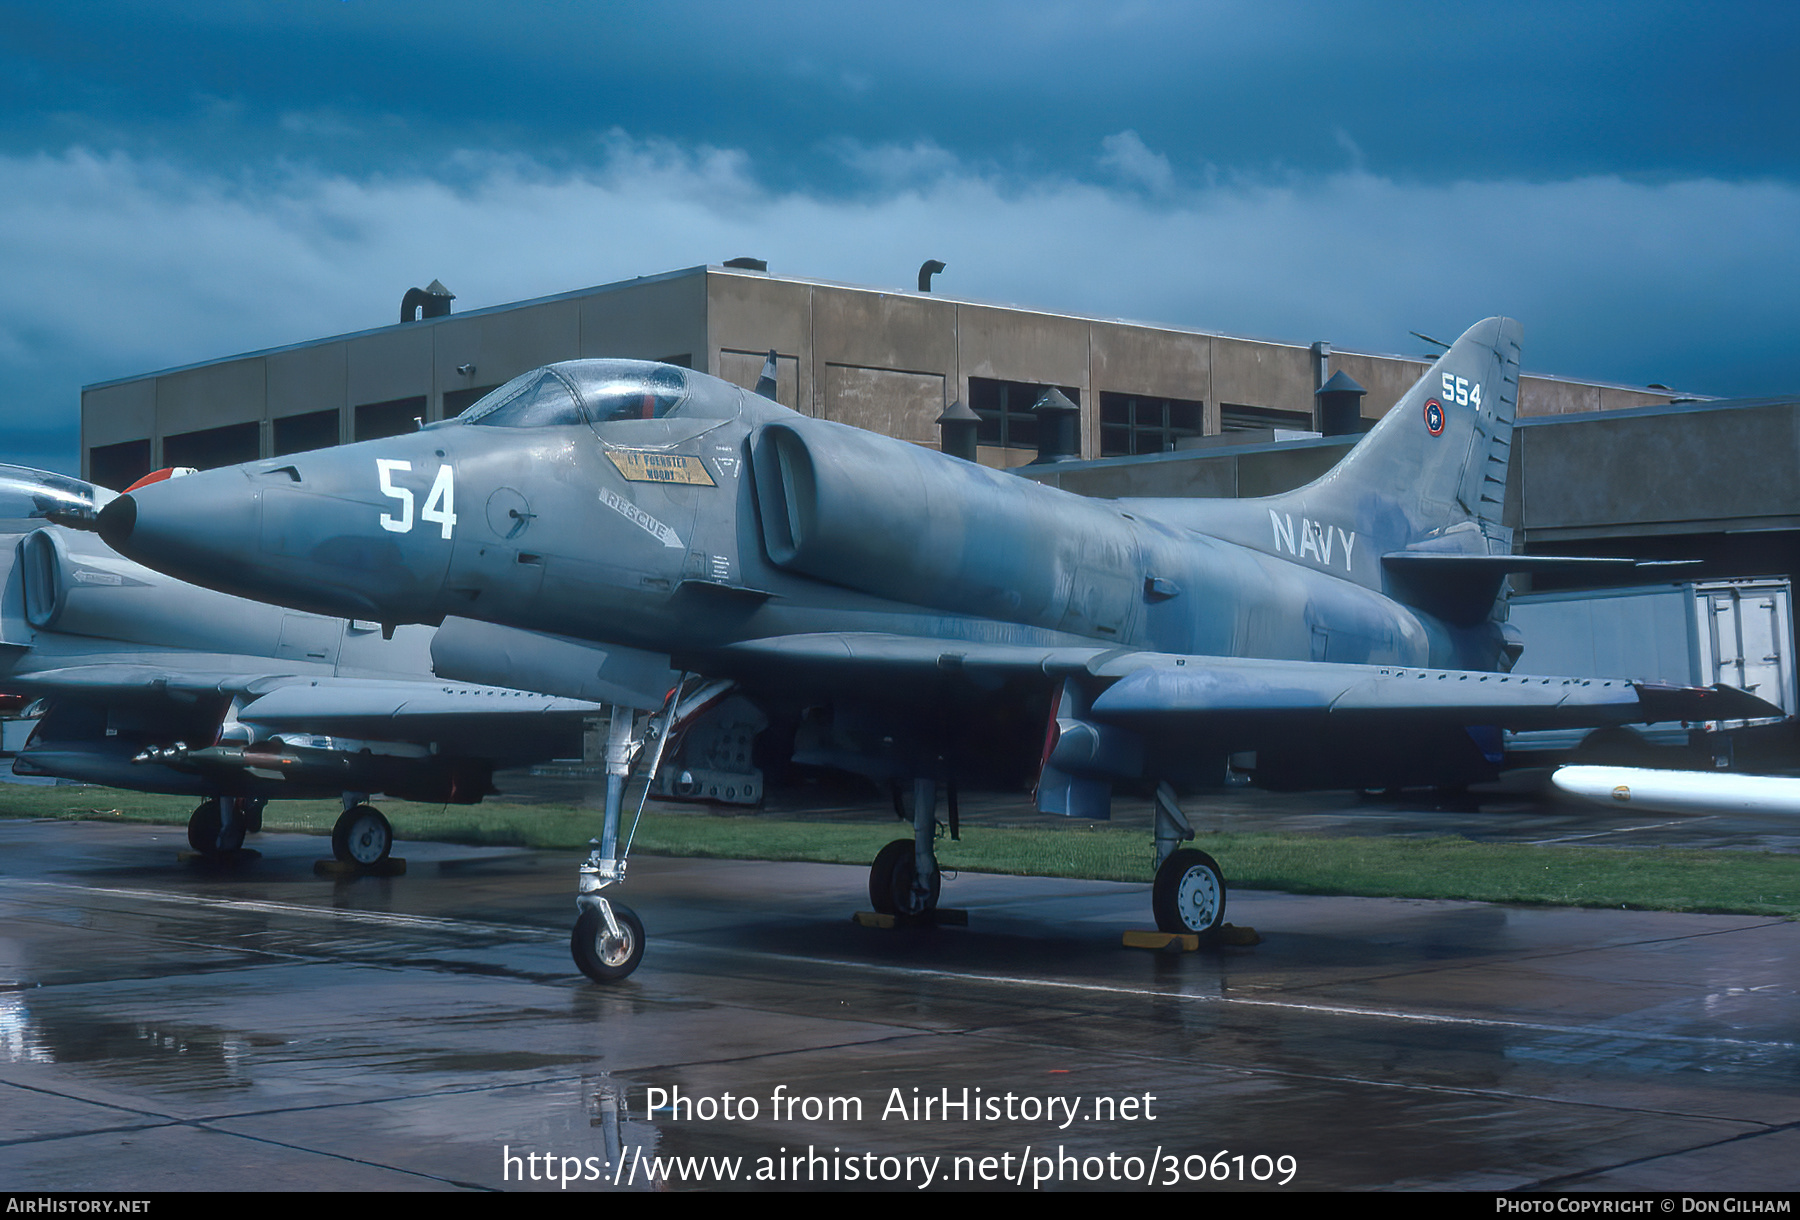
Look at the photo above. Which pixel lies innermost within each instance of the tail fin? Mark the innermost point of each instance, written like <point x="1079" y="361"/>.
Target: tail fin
<point x="1431" y="475"/>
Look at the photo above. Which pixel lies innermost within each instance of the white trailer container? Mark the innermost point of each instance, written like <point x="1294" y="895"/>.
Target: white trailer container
<point x="1697" y="633"/>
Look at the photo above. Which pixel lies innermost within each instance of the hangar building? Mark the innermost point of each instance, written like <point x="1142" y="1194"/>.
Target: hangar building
<point x="887" y="360"/>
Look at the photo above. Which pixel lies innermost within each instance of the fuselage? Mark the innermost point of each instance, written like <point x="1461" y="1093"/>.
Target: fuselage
<point x="728" y="518"/>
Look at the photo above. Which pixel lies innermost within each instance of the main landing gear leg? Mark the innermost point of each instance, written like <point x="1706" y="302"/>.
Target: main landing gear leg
<point x="904" y="880"/>
<point x="608" y="941"/>
<point x="1189" y="894"/>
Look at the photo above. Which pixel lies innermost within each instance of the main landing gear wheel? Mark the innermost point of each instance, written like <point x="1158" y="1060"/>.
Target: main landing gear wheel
<point x="891" y="882"/>
<point x="204" y="828"/>
<point x="362" y="836"/>
<point x="1189" y="895"/>
<point x="603" y="957"/>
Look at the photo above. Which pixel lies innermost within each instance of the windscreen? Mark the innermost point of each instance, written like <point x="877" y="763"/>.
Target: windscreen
<point x="539" y="399"/>
<point x="582" y="391"/>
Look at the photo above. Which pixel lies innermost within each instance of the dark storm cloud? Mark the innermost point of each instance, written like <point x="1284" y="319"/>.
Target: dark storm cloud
<point x="1531" y="90"/>
<point x="177" y="185"/>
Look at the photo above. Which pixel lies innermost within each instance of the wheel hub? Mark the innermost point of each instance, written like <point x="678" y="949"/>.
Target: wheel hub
<point x="1199" y="897"/>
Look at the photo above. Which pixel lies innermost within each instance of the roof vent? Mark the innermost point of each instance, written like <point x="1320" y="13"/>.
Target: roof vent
<point x="432" y="302"/>
<point x="1340" y="406"/>
<point x="1059" y="428"/>
<point x="748" y="264"/>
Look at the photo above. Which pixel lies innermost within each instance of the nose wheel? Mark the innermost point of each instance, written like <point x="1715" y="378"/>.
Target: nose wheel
<point x="607" y="953"/>
<point x="608" y="941"/>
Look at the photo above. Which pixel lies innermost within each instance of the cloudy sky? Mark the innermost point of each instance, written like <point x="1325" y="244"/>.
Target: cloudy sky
<point x="180" y="182"/>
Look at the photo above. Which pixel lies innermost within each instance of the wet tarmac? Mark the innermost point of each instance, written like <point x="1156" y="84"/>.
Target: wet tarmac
<point x="164" y="1027"/>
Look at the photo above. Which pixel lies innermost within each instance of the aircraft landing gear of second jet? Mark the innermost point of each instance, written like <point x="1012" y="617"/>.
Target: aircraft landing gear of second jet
<point x="216" y="828"/>
<point x="362" y="836"/>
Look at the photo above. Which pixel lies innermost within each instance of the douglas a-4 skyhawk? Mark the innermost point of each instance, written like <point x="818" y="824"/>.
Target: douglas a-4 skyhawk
<point x="597" y="528"/>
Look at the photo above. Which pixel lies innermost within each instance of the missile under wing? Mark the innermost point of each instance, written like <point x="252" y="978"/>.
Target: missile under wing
<point x="150" y="684"/>
<point x="593" y="526"/>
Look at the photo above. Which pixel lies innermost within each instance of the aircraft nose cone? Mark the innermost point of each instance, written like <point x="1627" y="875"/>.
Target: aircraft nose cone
<point x="188" y="527"/>
<point x="116" y="521"/>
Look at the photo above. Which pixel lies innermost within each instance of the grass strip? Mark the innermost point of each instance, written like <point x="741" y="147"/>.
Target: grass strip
<point x="1656" y="879"/>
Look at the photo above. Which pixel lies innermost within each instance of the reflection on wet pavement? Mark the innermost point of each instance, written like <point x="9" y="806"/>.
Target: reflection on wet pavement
<point x="164" y="1029"/>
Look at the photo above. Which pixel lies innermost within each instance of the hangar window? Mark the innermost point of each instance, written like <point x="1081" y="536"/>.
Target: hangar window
<point x="1135" y="423"/>
<point x="214" y="447"/>
<point x="300" y="433"/>
<point x="1005" y="408"/>
<point x="458" y="401"/>
<point x="392" y="418"/>
<point x="1235" y="417"/>
<point x="119" y="466"/>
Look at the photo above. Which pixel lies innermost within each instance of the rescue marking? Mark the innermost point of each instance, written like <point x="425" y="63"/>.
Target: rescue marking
<point x="647" y="466"/>
<point x="643" y="520"/>
<point x="1315" y="539"/>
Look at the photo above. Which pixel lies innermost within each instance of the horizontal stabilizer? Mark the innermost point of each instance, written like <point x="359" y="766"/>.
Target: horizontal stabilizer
<point x="1461" y="588"/>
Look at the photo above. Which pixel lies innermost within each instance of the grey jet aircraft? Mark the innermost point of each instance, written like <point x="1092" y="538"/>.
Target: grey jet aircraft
<point x="596" y="528"/>
<point x="150" y="684"/>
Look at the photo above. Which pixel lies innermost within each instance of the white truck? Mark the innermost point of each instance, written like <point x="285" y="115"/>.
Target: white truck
<point x="1694" y="633"/>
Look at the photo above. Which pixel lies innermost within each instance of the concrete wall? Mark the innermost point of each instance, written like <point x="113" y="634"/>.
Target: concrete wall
<point x="1675" y="470"/>
<point x="1683" y="470"/>
<point x="657" y="318"/>
<point x="884" y="360"/>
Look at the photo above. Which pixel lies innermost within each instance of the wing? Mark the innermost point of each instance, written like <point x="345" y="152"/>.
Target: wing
<point x="1214" y="689"/>
<point x="464" y="718"/>
<point x="482" y="720"/>
<point x="1119" y="714"/>
<point x="1139" y="688"/>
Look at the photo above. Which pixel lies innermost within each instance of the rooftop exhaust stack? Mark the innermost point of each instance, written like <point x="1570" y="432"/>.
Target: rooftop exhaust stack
<point x="432" y="302"/>
<point x="927" y="269"/>
<point x="957" y="430"/>
<point x="1059" y="428"/>
<point x="1340" y="406"/>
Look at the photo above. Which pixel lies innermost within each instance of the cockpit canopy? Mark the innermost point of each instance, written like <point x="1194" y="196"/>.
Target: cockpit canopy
<point x="39" y="495"/>
<point x="593" y="392"/>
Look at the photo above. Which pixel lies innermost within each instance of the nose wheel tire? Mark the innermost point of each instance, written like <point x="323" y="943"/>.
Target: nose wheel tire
<point x="1189" y="894"/>
<point x="362" y="836"/>
<point x="891" y="890"/>
<point x="603" y="957"/>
